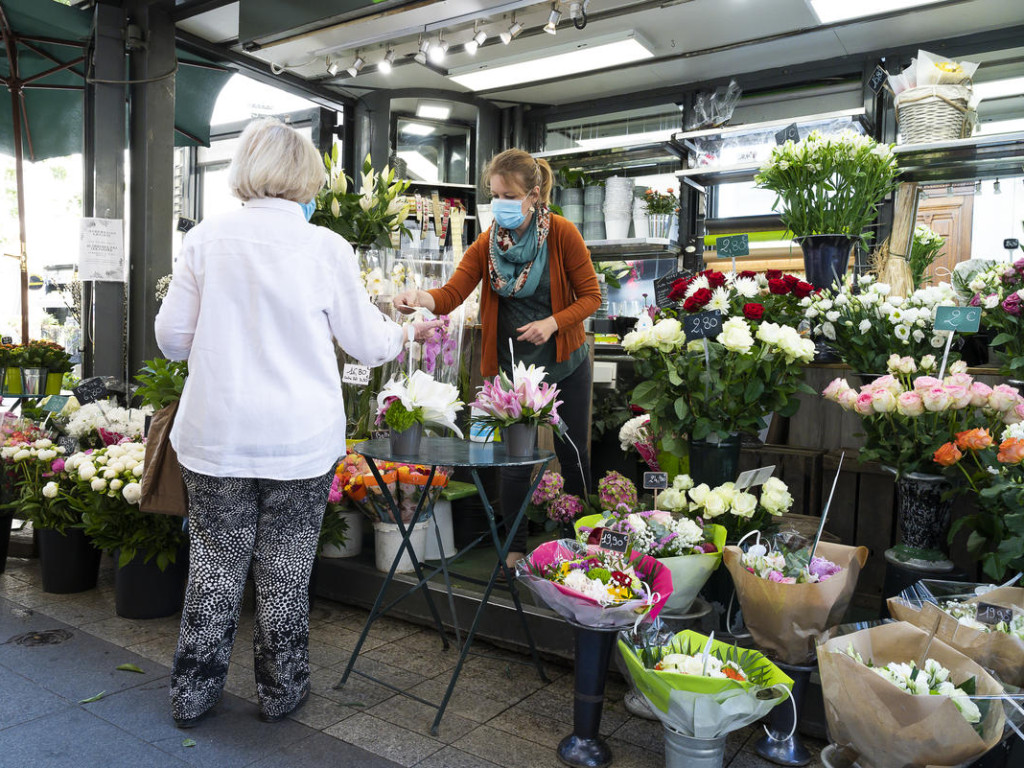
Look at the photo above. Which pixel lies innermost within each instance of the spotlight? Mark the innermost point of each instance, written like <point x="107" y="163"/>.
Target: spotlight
<point x="357" y="65"/>
<point x="387" y="62"/>
<point x="552" y="26"/>
<point x="513" y="31"/>
<point x="437" y="52"/>
<point x="996" y="189"/>
<point x="332" y="67"/>
<point x="421" y="54"/>
<point x="478" y="39"/>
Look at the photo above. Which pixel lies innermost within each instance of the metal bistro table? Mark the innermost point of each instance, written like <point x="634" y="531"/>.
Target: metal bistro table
<point x="448" y="452"/>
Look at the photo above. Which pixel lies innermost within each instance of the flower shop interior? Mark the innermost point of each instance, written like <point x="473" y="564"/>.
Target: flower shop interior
<point x="806" y="218"/>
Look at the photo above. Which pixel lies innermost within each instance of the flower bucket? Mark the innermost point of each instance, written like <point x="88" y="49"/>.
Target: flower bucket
<point x="658" y="224"/>
<point x="387" y="540"/>
<point x="520" y="439"/>
<point x="682" y="751"/>
<point x="12" y="381"/>
<point x="715" y="463"/>
<point x="407" y="442"/>
<point x="617" y="229"/>
<point x="826" y="258"/>
<point x="143" y="591"/>
<point x="53" y="383"/>
<point x="68" y="562"/>
<point x="923" y="511"/>
<point x="33" y="381"/>
<point x="353" y="538"/>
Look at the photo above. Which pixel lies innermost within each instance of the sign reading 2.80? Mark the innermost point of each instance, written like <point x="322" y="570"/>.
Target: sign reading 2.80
<point x="702" y="325"/>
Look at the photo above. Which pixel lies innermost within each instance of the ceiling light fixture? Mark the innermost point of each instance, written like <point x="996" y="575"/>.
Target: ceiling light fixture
<point x="421" y="54"/>
<point x="478" y="39"/>
<point x="830" y="11"/>
<point x="439" y="50"/>
<point x="578" y="13"/>
<point x="552" y="26"/>
<point x="357" y="65"/>
<point x="387" y="62"/>
<point x="996" y="188"/>
<point x="332" y="67"/>
<point x="512" y="32"/>
<point x="432" y="110"/>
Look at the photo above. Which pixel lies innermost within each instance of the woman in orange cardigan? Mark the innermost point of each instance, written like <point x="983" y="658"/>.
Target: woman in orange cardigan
<point x="538" y="287"/>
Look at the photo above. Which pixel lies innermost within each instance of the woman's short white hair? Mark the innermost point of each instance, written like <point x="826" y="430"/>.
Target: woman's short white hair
<point x="274" y="160"/>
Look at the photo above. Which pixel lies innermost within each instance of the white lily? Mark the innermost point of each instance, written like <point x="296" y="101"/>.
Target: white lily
<point x="439" y="401"/>
<point x="534" y="374"/>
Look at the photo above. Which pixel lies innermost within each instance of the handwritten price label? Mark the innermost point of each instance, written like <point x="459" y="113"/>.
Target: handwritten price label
<point x="790" y="133"/>
<point x="958" y="319"/>
<point x="703" y="325"/>
<point x="614" y="541"/>
<point x="359" y="375"/>
<point x="994" y="614"/>
<point x="656" y="481"/>
<point x="730" y="246"/>
<point x="90" y="390"/>
<point x="878" y="79"/>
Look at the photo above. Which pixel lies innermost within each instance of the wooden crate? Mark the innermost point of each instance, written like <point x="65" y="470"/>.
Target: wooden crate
<point x="798" y="468"/>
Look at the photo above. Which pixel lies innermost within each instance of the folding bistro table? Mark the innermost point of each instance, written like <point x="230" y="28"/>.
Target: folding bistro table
<point x="448" y="452"/>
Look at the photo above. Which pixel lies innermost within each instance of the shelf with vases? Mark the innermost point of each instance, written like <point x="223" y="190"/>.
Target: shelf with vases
<point x="616" y="157"/>
<point x="978" y="157"/>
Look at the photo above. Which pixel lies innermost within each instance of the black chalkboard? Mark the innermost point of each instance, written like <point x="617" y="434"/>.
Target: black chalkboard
<point x="184" y="224"/>
<point x="6" y="339"/>
<point x="55" y="403"/>
<point x="1010" y="244"/>
<point x="616" y="541"/>
<point x="69" y="444"/>
<point x="994" y="614"/>
<point x="878" y="78"/>
<point x="790" y="133"/>
<point x="656" y="481"/>
<point x="702" y="325"/>
<point x="663" y="287"/>
<point x="90" y="390"/>
<point x="731" y="246"/>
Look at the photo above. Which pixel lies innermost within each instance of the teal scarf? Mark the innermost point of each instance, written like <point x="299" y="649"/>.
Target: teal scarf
<point x="515" y="268"/>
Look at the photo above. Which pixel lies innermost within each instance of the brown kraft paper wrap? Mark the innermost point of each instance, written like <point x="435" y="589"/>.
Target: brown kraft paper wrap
<point x="998" y="651"/>
<point x="786" y="619"/>
<point x="889" y="727"/>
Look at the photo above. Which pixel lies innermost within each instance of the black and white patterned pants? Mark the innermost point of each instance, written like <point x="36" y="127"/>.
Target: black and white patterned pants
<point x="232" y="521"/>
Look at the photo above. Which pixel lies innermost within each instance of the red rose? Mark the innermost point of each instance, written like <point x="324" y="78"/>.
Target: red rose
<point x="778" y="286"/>
<point x="749" y="273"/>
<point x="696" y="302"/>
<point x="773" y="274"/>
<point x="679" y="288"/>
<point x="802" y="290"/>
<point x="753" y="311"/>
<point x="715" y="279"/>
<point x="791" y="280"/>
<point x="637" y="410"/>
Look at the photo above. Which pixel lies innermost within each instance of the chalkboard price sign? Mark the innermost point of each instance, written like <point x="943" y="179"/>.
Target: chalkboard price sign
<point x="184" y="224"/>
<point x="663" y="287"/>
<point x="878" y="79"/>
<point x="790" y="133"/>
<point x="55" y="403"/>
<point x="994" y="614"/>
<point x="703" y="325"/>
<point x="614" y="541"/>
<point x="6" y="339"/>
<point x="380" y="434"/>
<point x="90" y="390"/>
<point x="656" y="481"/>
<point x="731" y="246"/>
<point x="1011" y="243"/>
<point x="959" y="319"/>
<point x="69" y="444"/>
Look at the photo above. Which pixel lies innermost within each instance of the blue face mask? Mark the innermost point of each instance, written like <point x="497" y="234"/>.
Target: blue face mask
<point x="308" y="209"/>
<point x="508" y="213"/>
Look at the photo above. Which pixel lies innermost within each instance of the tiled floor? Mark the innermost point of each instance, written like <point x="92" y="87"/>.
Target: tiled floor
<point x="500" y="715"/>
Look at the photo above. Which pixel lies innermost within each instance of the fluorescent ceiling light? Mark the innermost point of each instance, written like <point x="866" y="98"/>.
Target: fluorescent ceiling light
<point x="431" y="111"/>
<point x="594" y="56"/>
<point x="419" y="165"/>
<point x="998" y="89"/>
<point x="626" y="139"/>
<point x="417" y="129"/>
<point x="830" y="11"/>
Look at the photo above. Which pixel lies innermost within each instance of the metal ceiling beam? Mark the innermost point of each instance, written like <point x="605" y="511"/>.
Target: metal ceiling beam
<point x="186" y="9"/>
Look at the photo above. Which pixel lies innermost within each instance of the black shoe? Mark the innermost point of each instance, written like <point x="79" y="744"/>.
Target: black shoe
<point x="190" y="722"/>
<point x="277" y="718"/>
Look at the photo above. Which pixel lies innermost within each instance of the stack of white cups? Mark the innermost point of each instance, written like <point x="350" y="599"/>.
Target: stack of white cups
<point x="640" y="220"/>
<point x="618" y="207"/>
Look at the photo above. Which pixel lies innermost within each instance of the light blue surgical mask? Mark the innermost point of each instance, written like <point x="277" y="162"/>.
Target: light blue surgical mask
<point x="508" y="213"/>
<point x="308" y="209"/>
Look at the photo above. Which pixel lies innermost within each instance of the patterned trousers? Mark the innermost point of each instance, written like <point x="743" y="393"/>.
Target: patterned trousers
<point x="274" y="525"/>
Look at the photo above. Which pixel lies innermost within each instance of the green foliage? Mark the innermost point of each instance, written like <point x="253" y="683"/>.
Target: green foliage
<point x="400" y="418"/>
<point x="161" y="381"/>
<point x="113" y="524"/>
<point x="334" y="529"/>
<point x="609" y="412"/>
<point x="923" y="252"/>
<point x="576" y="177"/>
<point x="997" y="529"/>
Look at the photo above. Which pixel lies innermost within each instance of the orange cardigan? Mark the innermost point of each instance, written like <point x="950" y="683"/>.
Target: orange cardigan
<point x="575" y="292"/>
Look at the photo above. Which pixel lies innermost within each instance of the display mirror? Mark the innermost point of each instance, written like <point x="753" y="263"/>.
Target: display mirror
<point x="433" y="151"/>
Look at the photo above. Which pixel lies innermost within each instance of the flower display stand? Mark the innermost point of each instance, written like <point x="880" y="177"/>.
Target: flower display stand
<point x="781" y="745"/>
<point x="584" y="747"/>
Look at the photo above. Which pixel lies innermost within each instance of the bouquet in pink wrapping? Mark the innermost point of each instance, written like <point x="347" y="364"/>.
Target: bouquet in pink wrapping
<point x="596" y="587"/>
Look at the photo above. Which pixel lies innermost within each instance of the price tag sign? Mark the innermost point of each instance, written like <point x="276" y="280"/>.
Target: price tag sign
<point x="380" y="434"/>
<point x="358" y="375"/>
<point x="754" y="477"/>
<point x="90" y="390"/>
<point x="605" y="538"/>
<point x="959" y="319"/>
<point x="6" y="339"/>
<point x="185" y="224"/>
<point x="69" y="444"/>
<point x="789" y="133"/>
<point x="55" y="403"/>
<point x="702" y="325"/>
<point x="663" y="287"/>
<point x="731" y="246"/>
<point x="1010" y="244"/>
<point x="656" y="481"/>
<point x="878" y="79"/>
<point x="994" y="614"/>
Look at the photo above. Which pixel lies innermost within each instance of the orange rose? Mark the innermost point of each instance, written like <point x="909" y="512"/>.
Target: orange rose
<point x="948" y="455"/>
<point x="974" y="440"/>
<point x="1011" y="451"/>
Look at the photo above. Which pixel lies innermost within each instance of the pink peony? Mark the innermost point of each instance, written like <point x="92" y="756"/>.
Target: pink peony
<point x="980" y="394"/>
<point x="57" y="465"/>
<point x="910" y="404"/>
<point x="864" y="404"/>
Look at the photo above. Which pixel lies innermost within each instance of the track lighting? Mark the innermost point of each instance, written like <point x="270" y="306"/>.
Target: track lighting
<point x="996" y="187"/>
<point x="478" y="39"/>
<point x="421" y="54"/>
<point x="439" y="50"/>
<point x="332" y="67"/>
<point x="387" y="62"/>
<point x="578" y="13"/>
<point x="512" y="32"/>
<point x="357" y="65"/>
<point x="552" y="26"/>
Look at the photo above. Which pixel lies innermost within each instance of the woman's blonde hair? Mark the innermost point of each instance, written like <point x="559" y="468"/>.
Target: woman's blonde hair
<point x="520" y="169"/>
<point x="274" y="160"/>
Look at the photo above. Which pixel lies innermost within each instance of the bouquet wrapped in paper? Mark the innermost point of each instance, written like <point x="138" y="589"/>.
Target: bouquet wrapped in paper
<point x="412" y="485"/>
<point x="951" y="610"/>
<point x="689" y="550"/>
<point x="702" y="693"/>
<point x="786" y="613"/>
<point x="899" y="698"/>
<point x="596" y="587"/>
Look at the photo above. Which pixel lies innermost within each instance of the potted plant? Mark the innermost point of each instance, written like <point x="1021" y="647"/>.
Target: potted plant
<point x="32" y="360"/>
<point x="829" y="188"/>
<point x="517" y="406"/>
<point x="998" y="290"/>
<point x="408" y="403"/>
<point x="150" y="576"/>
<point x="660" y="208"/>
<point x="57" y="362"/>
<point x="341" y="533"/>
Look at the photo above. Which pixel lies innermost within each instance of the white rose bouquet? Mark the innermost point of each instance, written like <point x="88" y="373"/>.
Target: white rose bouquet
<point x="739" y="512"/>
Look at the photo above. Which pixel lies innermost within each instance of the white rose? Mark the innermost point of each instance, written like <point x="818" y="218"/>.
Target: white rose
<point x="768" y="333"/>
<point x="699" y="493"/>
<point x="672" y="500"/>
<point x="682" y="482"/>
<point x="744" y="504"/>
<point x="667" y="334"/>
<point x="715" y="504"/>
<point x="727" y="491"/>
<point x="735" y="336"/>
<point x="99" y="484"/>
<point x="132" y="493"/>
<point x="50" y="490"/>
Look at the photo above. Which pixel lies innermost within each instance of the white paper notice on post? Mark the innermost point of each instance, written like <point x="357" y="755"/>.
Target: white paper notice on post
<point x="101" y="250"/>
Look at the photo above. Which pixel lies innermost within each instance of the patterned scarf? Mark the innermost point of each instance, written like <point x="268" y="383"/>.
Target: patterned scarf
<point x="515" y="269"/>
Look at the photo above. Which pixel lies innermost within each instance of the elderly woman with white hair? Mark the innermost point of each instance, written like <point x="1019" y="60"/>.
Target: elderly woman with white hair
<point x="258" y="297"/>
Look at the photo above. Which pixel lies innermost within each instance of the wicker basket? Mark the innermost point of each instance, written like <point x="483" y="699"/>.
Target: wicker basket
<point x="934" y="113"/>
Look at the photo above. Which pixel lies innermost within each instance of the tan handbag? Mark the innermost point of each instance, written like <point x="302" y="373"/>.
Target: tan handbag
<point x="163" y="489"/>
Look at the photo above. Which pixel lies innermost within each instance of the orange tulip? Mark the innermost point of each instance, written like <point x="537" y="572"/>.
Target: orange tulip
<point x="974" y="440"/>
<point x="948" y="455"/>
<point x="1011" y="451"/>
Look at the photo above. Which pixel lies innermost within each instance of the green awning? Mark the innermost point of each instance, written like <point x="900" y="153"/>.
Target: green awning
<point x="51" y="35"/>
